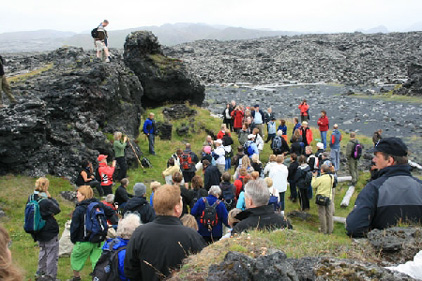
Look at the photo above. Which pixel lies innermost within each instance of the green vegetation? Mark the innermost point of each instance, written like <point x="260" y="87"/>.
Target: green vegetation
<point x="390" y="96"/>
<point x="23" y="77"/>
<point x="302" y="241"/>
<point x="164" y="63"/>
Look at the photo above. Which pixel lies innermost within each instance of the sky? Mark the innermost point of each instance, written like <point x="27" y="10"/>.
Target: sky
<point x="291" y="15"/>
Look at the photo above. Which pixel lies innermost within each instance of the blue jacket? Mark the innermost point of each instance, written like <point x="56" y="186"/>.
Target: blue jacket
<point x="395" y="196"/>
<point x="241" y="201"/>
<point x="254" y="147"/>
<point x="271" y="127"/>
<point x="222" y="214"/>
<point x="335" y="139"/>
<point x="149" y="127"/>
<point x="297" y="126"/>
<point x="283" y="129"/>
<point x="121" y="255"/>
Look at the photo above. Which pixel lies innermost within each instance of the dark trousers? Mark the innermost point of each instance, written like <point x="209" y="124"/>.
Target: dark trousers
<point x="304" y="118"/>
<point x="270" y="137"/>
<point x="281" y="200"/>
<point x="107" y="190"/>
<point x="97" y="185"/>
<point x="304" y="200"/>
<point x="293" y="190"/>
<point x="121" y="161"/>
<point x="211" y="239"/>
<point x="151" y="140"/>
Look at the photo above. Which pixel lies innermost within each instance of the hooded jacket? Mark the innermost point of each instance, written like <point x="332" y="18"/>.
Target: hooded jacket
<point x="261" y="218"/>
<point x="119" y="243"/>
<point x="78" y="219"/>
<point x="48" y="209"/>
<point x="121" y="195"/>
<point x="394" y="196"/>
<point x="222" y="214"/>
<point x="141" y="206"/>
<point x="335" y="139"/>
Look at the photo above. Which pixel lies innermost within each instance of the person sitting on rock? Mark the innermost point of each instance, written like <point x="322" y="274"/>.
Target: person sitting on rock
<point x="121" y="196"/>
<point x="394" y="197"/>
<point x="86" y="177"/>
<point x="4" y="85"/>
<point x="139" y="204"/>
<point x="106" y="173"/>
<point x="259" y="215"/>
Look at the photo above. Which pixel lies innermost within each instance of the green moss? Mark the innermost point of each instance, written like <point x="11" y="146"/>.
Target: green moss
<point x="165" y="63"/>
<point x="23" y="77"/>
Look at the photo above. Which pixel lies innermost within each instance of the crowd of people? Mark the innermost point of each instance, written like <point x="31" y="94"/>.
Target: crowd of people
<point x="217" y="194"/>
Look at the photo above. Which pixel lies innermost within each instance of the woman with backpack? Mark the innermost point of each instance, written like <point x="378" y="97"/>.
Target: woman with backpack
<point x="118" y="245"/>
<point x="48" y="236"/>
<point x="303" y="180"/>
<point x="84" y="233"/>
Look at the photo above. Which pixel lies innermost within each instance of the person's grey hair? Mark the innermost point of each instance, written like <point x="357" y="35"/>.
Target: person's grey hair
<point x="257" y="190"/>
<point x="110" y="198"/>
<point x="215" y="190"/>
<point x="279" y="133"/>
<point x="127" y="225"/>
<point x="326" y="154"/>
<point x="335" y="126"/>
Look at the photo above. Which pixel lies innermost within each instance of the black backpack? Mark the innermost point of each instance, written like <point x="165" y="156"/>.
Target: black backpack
<point x="107" y="267"/>
<point x="94" y="33"/>
<point x="276" y="144"/>
<point x="209" y="217"/>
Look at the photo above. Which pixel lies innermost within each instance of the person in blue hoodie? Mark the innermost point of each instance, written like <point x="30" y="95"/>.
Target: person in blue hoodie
<point x="335" y="147"/>
<point x="217" y="231"/>
<point x="124" y="232"/>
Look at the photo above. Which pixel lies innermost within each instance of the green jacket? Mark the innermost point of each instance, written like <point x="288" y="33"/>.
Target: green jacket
<point x="349" y="148"/>
<point x="323" y="185"/>
<point x="119" y="148"/>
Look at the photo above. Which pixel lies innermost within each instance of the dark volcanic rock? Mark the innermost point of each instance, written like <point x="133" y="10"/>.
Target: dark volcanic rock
<point x="413" y="87"/>
<point x="164" y="130"/>
<point x="178" y="111"/>
<point x="396" y="244"/>
<point x="164" y="79"/>
<point x="69" y="195"/>
<point x="304" y="267"/>
<point x="237" y="266"/>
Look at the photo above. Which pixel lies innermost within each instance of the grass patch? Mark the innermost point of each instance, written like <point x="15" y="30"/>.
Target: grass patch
<point x="23" y="77"/>
<point x="302" y="241"/>
<point x="164" y="62"/>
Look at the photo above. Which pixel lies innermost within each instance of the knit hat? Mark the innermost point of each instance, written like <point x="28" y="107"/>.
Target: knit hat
<point x="139" y="189"/>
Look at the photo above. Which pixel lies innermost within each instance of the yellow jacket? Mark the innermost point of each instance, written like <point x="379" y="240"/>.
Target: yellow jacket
<point x="171" y="170"/>
<point x="323" y="185"/>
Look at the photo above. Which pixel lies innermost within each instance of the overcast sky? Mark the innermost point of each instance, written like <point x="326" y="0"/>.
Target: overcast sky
<point x="292" y="15"/>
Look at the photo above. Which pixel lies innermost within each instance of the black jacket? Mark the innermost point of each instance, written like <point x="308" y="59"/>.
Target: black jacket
<point x="212" y="176"/>
<point x="1" y="66"/>
<point x="48" y="209"/>
<point x="393" y="197"/>
<point x="141" y="206"/>
<point x="292" y="171"/>
<point x="297" y="148"/>
<point x="157" y="248"/>
<point x="78" y="219"/>
<point x="121" y="195"/>
<point x="187" y="198"/>
<point x="261" y="218"/>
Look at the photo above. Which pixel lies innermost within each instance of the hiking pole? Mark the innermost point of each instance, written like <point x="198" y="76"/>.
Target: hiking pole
<point x="136" y="155"/>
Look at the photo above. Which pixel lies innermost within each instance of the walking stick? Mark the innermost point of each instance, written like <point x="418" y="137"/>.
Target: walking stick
<point x="136" y="155"/>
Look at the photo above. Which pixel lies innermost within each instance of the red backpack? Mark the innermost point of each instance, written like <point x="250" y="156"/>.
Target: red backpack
<point x="186" y="161"/>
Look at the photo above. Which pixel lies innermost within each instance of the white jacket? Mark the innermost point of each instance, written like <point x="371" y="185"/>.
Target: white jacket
<point x="221" y="152"/>
<point x="259" y="142"/>
<point x="278" y="174"/>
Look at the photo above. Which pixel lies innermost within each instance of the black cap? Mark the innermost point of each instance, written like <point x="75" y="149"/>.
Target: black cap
<point x="391" y="146"/>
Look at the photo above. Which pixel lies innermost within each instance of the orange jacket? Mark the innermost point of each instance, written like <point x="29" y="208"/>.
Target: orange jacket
<point x="309" y="136"/>
<point x="303" y="109"/>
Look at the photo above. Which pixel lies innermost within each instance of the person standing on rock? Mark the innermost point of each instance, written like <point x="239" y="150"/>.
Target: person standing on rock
<point x="101" y="43"/>
<point x="323" y="124"/>
<point x="150" y="130"/>
<point x="352" y="161"/>
<point x="394" y="197"/>
<point x="304" y="111"/>
<point x="258" y="119"/>
<point x="4" y="85"/>
<point x="336" y="138"/>
<point x="237" y="118"/>
<point x="119" y="154"/>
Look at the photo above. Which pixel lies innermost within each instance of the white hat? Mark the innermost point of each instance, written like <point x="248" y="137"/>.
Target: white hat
<point x="305" y="122"/>
<point x="219" y="141"/>
<point x="320" y="145"/>
<point x="251" y="136"/>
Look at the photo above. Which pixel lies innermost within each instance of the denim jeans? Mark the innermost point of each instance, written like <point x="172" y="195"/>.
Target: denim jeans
<point x="324" y="139"/>
<point x="335" y="157"/>
<point x="228" y="163"/>
<point x="282" y="200"/>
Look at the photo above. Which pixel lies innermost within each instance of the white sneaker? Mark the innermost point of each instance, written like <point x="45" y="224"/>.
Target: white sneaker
<point x="107" y="60"/>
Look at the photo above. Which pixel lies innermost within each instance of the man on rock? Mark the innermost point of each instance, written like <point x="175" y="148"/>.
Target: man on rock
<point x="4" y="85"/>
<point x="395" y="196"/>
<point x="101" y="43"/>
<point x="150" y="130"/>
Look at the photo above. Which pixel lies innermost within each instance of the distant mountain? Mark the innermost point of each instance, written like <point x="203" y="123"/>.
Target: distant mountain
<point x="414" y="27"/>
<point x="374" y="30"/>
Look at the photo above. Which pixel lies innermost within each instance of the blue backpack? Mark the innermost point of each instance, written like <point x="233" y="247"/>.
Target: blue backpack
<point x="95" y="223"/>
<point x="33" y="220"/>
<point x="248" y="148"/>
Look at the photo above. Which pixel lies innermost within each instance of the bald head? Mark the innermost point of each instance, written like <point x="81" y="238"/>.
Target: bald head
<point x="335" y="126"/>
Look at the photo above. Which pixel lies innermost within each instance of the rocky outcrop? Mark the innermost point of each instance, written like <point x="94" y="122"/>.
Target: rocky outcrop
<point x="237" y="266"/>
<point x="66" y="114"/>
<point x="413" y="87"/>
<point x="350" y="58"/>
<point x="164" y="79"/>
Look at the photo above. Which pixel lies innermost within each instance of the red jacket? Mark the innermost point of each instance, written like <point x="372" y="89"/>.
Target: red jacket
<point x="237" y="115"/>
<point x="323" y="124"/>
<point x="309" y="136"/>
<point x="106" y="174"/>
<point x="303" y="109"/>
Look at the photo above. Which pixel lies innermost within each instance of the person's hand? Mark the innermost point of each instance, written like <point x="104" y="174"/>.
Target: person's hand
<point x="125" y="139"/>
<point x="48" y="194"/>
<point x="113" y="164"/>
<point x="315" y="173"/>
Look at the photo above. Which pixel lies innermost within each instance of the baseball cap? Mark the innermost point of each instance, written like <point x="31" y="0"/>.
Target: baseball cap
<point x="101" y="157"/>
<point x="392" y="146"/>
